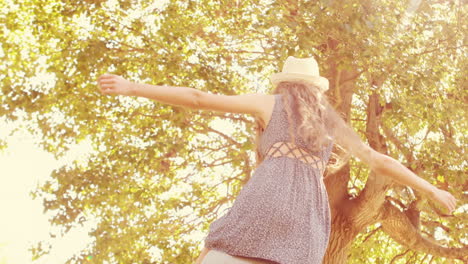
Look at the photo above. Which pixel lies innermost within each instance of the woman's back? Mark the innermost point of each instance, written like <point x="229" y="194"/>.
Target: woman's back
<point x="282" y="214"/>
<point x="276" y="140"/>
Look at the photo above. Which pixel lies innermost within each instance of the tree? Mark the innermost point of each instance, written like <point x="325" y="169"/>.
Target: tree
<point x="397" y="73"/>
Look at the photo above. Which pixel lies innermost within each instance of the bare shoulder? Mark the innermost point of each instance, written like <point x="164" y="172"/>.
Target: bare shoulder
<point x="266" y="102"/>
<point x="256" y="104"/>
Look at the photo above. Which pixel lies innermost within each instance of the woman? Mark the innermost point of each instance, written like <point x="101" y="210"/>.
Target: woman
<point x="282" y="214"/>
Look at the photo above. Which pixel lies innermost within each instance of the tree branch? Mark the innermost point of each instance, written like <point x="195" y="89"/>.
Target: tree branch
<point x="207" y="128"/>
<point x="437" y="49"/>
<point x="399" y="227"/>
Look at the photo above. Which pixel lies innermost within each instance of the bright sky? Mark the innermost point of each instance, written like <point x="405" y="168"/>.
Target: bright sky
<point x="23" y="223"/>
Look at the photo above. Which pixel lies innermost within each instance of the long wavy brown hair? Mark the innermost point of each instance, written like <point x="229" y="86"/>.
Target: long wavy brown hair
<point x="317" y="121"/>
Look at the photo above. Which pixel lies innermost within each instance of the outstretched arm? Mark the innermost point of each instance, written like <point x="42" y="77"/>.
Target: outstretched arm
<point x="180" y="96"/>
<point x="385" y="165"/>
<point x="187" y="97"/>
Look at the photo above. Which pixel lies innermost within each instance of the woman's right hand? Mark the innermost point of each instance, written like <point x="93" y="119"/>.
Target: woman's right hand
<point x="115" y="84"/>
<point x="445" y="198"/>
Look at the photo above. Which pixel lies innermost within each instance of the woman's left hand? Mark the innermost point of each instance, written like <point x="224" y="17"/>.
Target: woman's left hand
<point x="445" y="198"/>
<point x="115" y="84"/>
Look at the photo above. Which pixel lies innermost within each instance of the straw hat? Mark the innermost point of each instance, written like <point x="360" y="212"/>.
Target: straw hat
<point x="300" y="69"/>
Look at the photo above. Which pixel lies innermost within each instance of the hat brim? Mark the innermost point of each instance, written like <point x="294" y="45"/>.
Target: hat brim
<point x="319" y="81"/>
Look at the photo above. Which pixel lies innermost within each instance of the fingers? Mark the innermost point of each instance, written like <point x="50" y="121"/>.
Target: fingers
<point x="111" y="83"/>
<point x="106" y="87"/>
<point x="447" y="199"/>
<point x="106" y="83"/>
<point x="107" y="75"/>
<point x="107" y="91"/>
<point x="106" y="78"/>
<point x="452" y="202"/>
